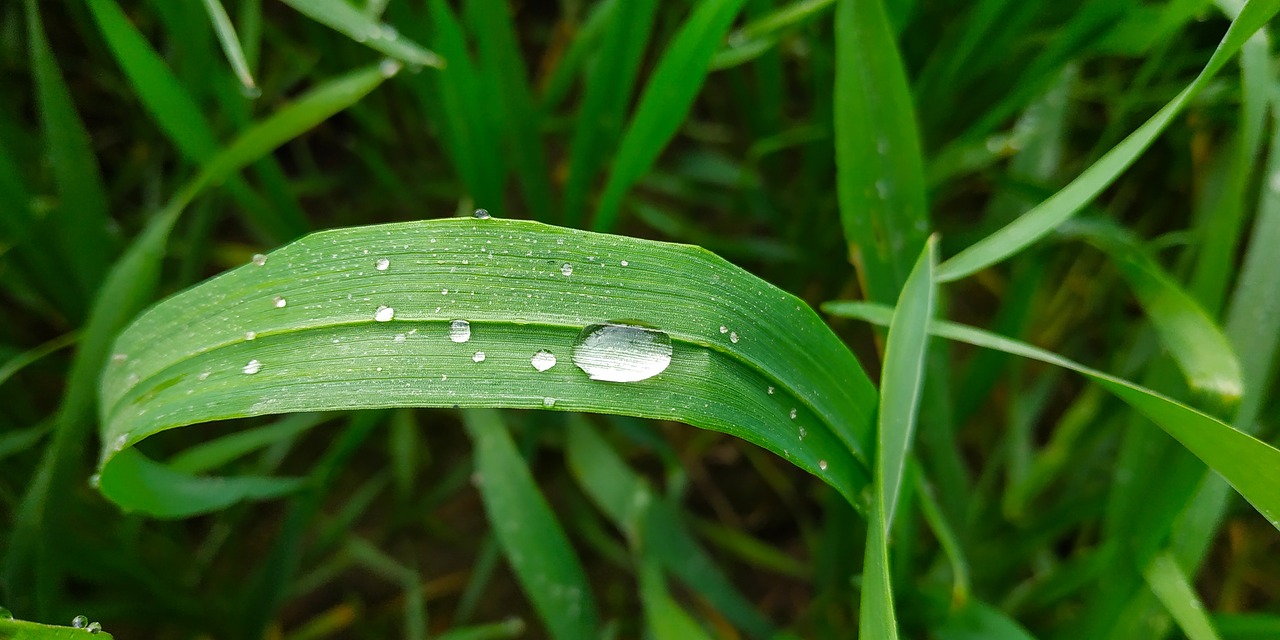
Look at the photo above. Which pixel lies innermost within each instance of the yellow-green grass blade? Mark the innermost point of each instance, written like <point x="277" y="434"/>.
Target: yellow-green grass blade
<point x="901" y="385"/>
<point x="535" y="545"/>
<point x="1251" y="466"/>
<point x="1195" y="342"/>
<point x="1174" y="590"/>
<point x="83" y="239"/>
<point x="879" y="171"/>
<point x="313" y="307"/>
<point x="231" y="45"/>
<point x="1045" y="217"/>
<point x="665" y="102"/>
<point x="11" y="629"/>
<point x="345" y="18"/>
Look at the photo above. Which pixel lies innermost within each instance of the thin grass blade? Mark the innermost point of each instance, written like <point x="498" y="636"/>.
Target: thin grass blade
<point x="345" y="18"/>
<point x="1174" y="590"/>
<point x="231" y="46"/>
<point x="664" y="618"/>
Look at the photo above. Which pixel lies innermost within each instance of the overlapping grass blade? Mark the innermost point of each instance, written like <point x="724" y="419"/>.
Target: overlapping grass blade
<point x="1041" y="220"/>
<point x="1251" y="466"/>
<point x="532" y="540"/>
<point x="345" y="18"/>
<point x="901" y="385"/>
<point x="665" y="102"/>
<point x="231" y="45"/>
<point x="879" y="171"/>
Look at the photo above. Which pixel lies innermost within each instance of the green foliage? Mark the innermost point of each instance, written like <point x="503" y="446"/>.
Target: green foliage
<point x="297" y="436"/>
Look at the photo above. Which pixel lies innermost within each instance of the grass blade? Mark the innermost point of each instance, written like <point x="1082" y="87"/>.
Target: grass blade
<point x="343" y="17"/>
<point x="1251" y="466"/>
<point x="879" y="171"/>
<point x="665" y="102"/>
<point x="1171" y="586"/>
<point x="508" y="279"/>
<point x="231" y="46"/>
<point x="901" y="384"/>
<point x="535" y="545"/>
<point x="22" y="630"/>
<point x="664" y="618"/>
<point x="1045" y="217"/>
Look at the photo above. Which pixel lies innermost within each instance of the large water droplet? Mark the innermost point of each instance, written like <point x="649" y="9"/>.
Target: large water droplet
<point x="621" y="352"/>
<point x="543" y="360"/>
<point x="253" y="367"/>
<point x="94" y="627"/>
<point x="279" y="302"/>
<point x="259" y="259"/>
<point x="478" y="357"/>
<point x="566" y="269"/>
<point x="459" y="331"/>
<point x="482" y="214"/>
<point x="79" y="622"/>
<point x="384" y="313"/>
<point x="382" y="264"/>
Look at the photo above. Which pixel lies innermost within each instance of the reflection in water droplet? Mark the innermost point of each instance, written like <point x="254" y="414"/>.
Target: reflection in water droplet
<point x="482" y="214"/>
<point x="384" y="313"/>
<point x="459" y="331"/>
<point x="253" y="367"/>
<point x="621" y="353"/>
<point x="822" y="464"/>
<point x="382" y="264"/>
<point x="566" y="269"/>
<point x="279" y="302"/>
<point x="543" y="360"/>
<point x="478" y="357"/>
<point x="259" y="259"/>
<point x="79" y="622"/>
<point x="548" y="402"/>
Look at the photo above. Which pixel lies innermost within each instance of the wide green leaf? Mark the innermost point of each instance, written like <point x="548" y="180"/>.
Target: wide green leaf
<point x="362" y="317"/>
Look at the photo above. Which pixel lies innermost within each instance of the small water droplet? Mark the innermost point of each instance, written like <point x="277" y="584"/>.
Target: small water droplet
<point x="566" y="269"/>
<point x="624" y="263"/>
<point x="389" y="67"/>
<point x="384" y="313"/>
<point x="95" y="481"/>
<point x="770" y="390"/>
<point x="119" y="358"/>
<point x="548" y="402"/>
<point x="724" y="329"/>
<point x="733" y="337"/>
<point x="382" y="264"/>
<point x="279" y="302"/>
<point x="621" y="353"/>
<point x="803" y="433"/>
<point x="253" y="367"/>
<point x="478" y="357"/>
<point x="79" y="622"/>
<point x="459" y="331"/>
<point x="250" y="335"/>
<point x="543" y="360"/>
<point x="444" y="292"/>
<point x="822" y="464"/>
<point x="399" y="337"/>
<point x="259" y="259"/>
<point x="793" y="414"/>
<point x="204" y="375"/>
<point x="481" y="214"/>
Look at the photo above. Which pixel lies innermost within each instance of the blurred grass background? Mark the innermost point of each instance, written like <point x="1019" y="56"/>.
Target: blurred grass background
<point x="715" y="123"/>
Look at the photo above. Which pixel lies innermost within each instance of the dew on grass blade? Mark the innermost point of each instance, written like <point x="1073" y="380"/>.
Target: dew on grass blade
<point x="459" y="331"/>
<point x="389" y="67"/>
<point x="793" y="414"/>
<point x="79" y="622"/>
<point x="724" y="329"/>
<point x="250" y="335"/>
<point x="481" y="214"/>
<point x="548" y="402"/>
<point x="543" y="360"/>
<point x="259" y="259"/>
<point x="94" y="627"/>
<point x="382" y="264"/>
<point x="253" y="367"/>
<point x="733" y="337"/>
<point x="621" y="352"/>
<point x="478" y="357"/>
<point x="822" y="464"/>
<point x="384" y="313"/>
<point x="279" y="302"/>
<point x="566" y="269"/>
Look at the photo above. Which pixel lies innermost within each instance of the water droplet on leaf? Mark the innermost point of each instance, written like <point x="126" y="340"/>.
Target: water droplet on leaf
<point x="793" y="414"/>
<point x="566" y="269"/>
<point x="382" y="264"/>
<point x="482" y="214"/>
<point x="384" y="313"/>
<point x="79" y="622"/>
<point x="253" y="367"/>
<point x="822" y="464"/>
<point x="543" y="360"/>
<point x="621" y="353"/>
<point x="733" y="337"/>
<point x="459" y="331"/>
<point x="548" y="402"/>
<point x="279" y="302"/>
<point x="478" y="357"/>
<point x="250" y="335"/>
<point x="259" y="259"/>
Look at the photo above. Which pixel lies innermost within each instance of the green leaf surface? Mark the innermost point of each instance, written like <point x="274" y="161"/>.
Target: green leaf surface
<point x="1251" y="466"/>
<point x="1044" y="218"/>
<point x="665" y="101"/>
<point x="901" y="385"/>
<point x="524" y="288"/>
<point x="345" y="18"/>
<point x="533" y="541"/>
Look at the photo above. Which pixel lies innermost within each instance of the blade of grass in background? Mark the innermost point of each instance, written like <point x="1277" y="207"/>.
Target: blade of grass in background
<point x="1250" y="465"/>
<point x="607" y="92"/>
<point x="231" y="46"/>
<point x="664" y="618"/>
<point x="665" y="102"/>
<point x="344" y="18"/>
<point x="1041" y="220"/>
<point x="880" y="176"/>
<point x="1171" y="586"/>
<point x="901" y="385"/>
<point x="532" y="540"/>
<point x="555" y="86"/>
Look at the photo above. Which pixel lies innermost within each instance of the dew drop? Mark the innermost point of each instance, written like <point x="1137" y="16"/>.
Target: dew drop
<point x="543" y="360"/>
<point x="822" y="464"/>
<point x="478" y="357"/>
<point x="724" y="329"/>
<point x="793" y="414"/>
<point x="279" y="302"/>
<point x="389" y="67"/>
<point x="382" y="264"/>
<point x="250" y="335"/>
<point x="770" y="390"/>
<point x="253" y="367"/>
<point x="459" y="331"/>
<point x="94" y="627"/>
<point x="566" y="269"/>
<point x="384" y="313"/>
<point x="803" y="433"/>
<point x="624" y="263"/>
<point x="259" y="259"/>
<point x="481" y="214"/>
<point x="733" y="337"/>
<point x="204" y="375"/>
<point x="548" y="402"/>
<point x="621" y="352"/>
<point x="119" y="358"/>
<point x="79" y="622"/>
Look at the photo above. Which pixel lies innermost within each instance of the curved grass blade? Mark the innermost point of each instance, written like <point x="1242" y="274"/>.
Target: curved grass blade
<point x="1042" y="219"/>
<point x="1251" y="466"/>
<point x="532" y="539"/>
<point x="1199" y="347"/>
<point x="901" y="384"/>
<point x="314" y="307"/>
<point x="665" y="101"/>
<point x="343" y="17"/>
<point x="879" y="170"/>
<point x="20" y="361"/>
<point x="231" y="45"/>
